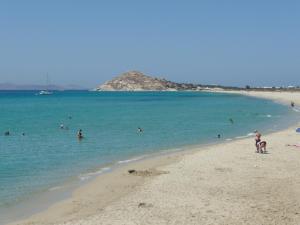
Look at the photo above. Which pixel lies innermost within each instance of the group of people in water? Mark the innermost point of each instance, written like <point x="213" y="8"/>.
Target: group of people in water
<point x="7" y="133"/>
<point x="79" y="133"/>
<point x="63" y="127"/>
<point x="231" y="121"/>
<point x="259" y="144"/>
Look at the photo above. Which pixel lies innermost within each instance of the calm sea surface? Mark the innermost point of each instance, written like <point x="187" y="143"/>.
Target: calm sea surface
<point x="47" y="156"/>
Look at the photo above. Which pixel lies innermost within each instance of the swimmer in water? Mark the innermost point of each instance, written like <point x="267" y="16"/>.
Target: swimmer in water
<point x="292" y="104"/>
<point x="231" y="120"/>
<point x="140" y="130"/>
<point x="79" y="134"/>
<point x="6" y="133"/>
<point x="219" y="136"/>
<point x="62" y="126"/>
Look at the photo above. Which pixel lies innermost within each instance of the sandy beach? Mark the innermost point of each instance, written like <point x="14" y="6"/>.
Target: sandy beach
<point x="220" y="184"/>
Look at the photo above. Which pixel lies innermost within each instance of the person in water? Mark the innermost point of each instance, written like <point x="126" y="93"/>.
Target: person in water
<point x="140" y="130"/>
<point x="79" y="134"/>
<point x="292" y="104"/>
<point x="6" y="133"/>
<point x="257" y="140"/>
<point x="231" y="120"/>
<point x="219" y="136"/>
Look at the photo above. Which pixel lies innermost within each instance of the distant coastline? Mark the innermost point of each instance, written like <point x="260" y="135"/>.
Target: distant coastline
<point x="137" y="81"/>
<point x="37" y="87"/>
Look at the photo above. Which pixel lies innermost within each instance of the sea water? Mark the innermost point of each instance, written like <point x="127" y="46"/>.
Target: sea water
<point x="38" y="156"/>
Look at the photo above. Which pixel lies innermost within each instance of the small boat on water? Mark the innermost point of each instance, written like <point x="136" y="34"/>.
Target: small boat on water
<point x="46" y="92"/>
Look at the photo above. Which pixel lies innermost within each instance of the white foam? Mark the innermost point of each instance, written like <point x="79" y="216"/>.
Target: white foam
<point x="89" y="175"/>
<point x="240" y="137"/>
<point x="229" y="139"/>
<point x="266" y="115"/>
<point x="171" y="150"/>
<point x="55" y="188"/>
<point x="296" y="110"/>
<point x="251" y="134"/>
<point x="129" y="160"/>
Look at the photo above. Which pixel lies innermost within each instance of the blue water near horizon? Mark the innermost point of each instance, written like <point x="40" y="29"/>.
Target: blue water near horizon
<point x="46" y="156"/>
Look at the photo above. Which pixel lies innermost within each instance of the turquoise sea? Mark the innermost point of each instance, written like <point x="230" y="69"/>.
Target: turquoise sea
<point x="46" y="156"/>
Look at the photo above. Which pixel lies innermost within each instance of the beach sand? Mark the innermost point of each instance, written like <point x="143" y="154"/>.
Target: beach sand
<point x="220" y="184"/>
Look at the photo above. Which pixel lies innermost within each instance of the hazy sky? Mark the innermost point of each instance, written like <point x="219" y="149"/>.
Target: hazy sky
<point x="210" y="42"/>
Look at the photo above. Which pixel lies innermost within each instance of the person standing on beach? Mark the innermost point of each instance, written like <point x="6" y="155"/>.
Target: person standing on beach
<point x="257" y="140"/>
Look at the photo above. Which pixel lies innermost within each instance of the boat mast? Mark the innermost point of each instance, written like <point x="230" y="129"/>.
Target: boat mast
<point x="47" y="82"/>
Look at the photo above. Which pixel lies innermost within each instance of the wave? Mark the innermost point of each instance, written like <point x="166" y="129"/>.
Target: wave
<point x="55" y="188"/>
<point x="130" y="160"/>
<point x="240" y="137"/>
<point x="265" y="115"/>
<point x="296" y="109"/>
<point x="87" y="176"/>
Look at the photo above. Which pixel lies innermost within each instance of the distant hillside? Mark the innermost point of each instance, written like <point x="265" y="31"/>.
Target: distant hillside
<point x="137" y="81"/>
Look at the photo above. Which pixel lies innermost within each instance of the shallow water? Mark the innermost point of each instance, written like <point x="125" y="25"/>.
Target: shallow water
<point x="46" y="156"/>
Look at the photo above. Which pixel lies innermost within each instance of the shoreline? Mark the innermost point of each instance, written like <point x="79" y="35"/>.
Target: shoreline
<point x="119" y="184"/>
<point x="65" y="191"/>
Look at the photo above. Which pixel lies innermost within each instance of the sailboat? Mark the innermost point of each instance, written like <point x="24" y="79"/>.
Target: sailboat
<point x="46" y="92"/>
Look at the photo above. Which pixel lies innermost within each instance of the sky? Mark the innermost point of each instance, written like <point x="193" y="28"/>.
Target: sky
<point x="85" y="43"/>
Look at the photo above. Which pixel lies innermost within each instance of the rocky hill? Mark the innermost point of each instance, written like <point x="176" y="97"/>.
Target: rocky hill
<point x="137" y="81"/>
